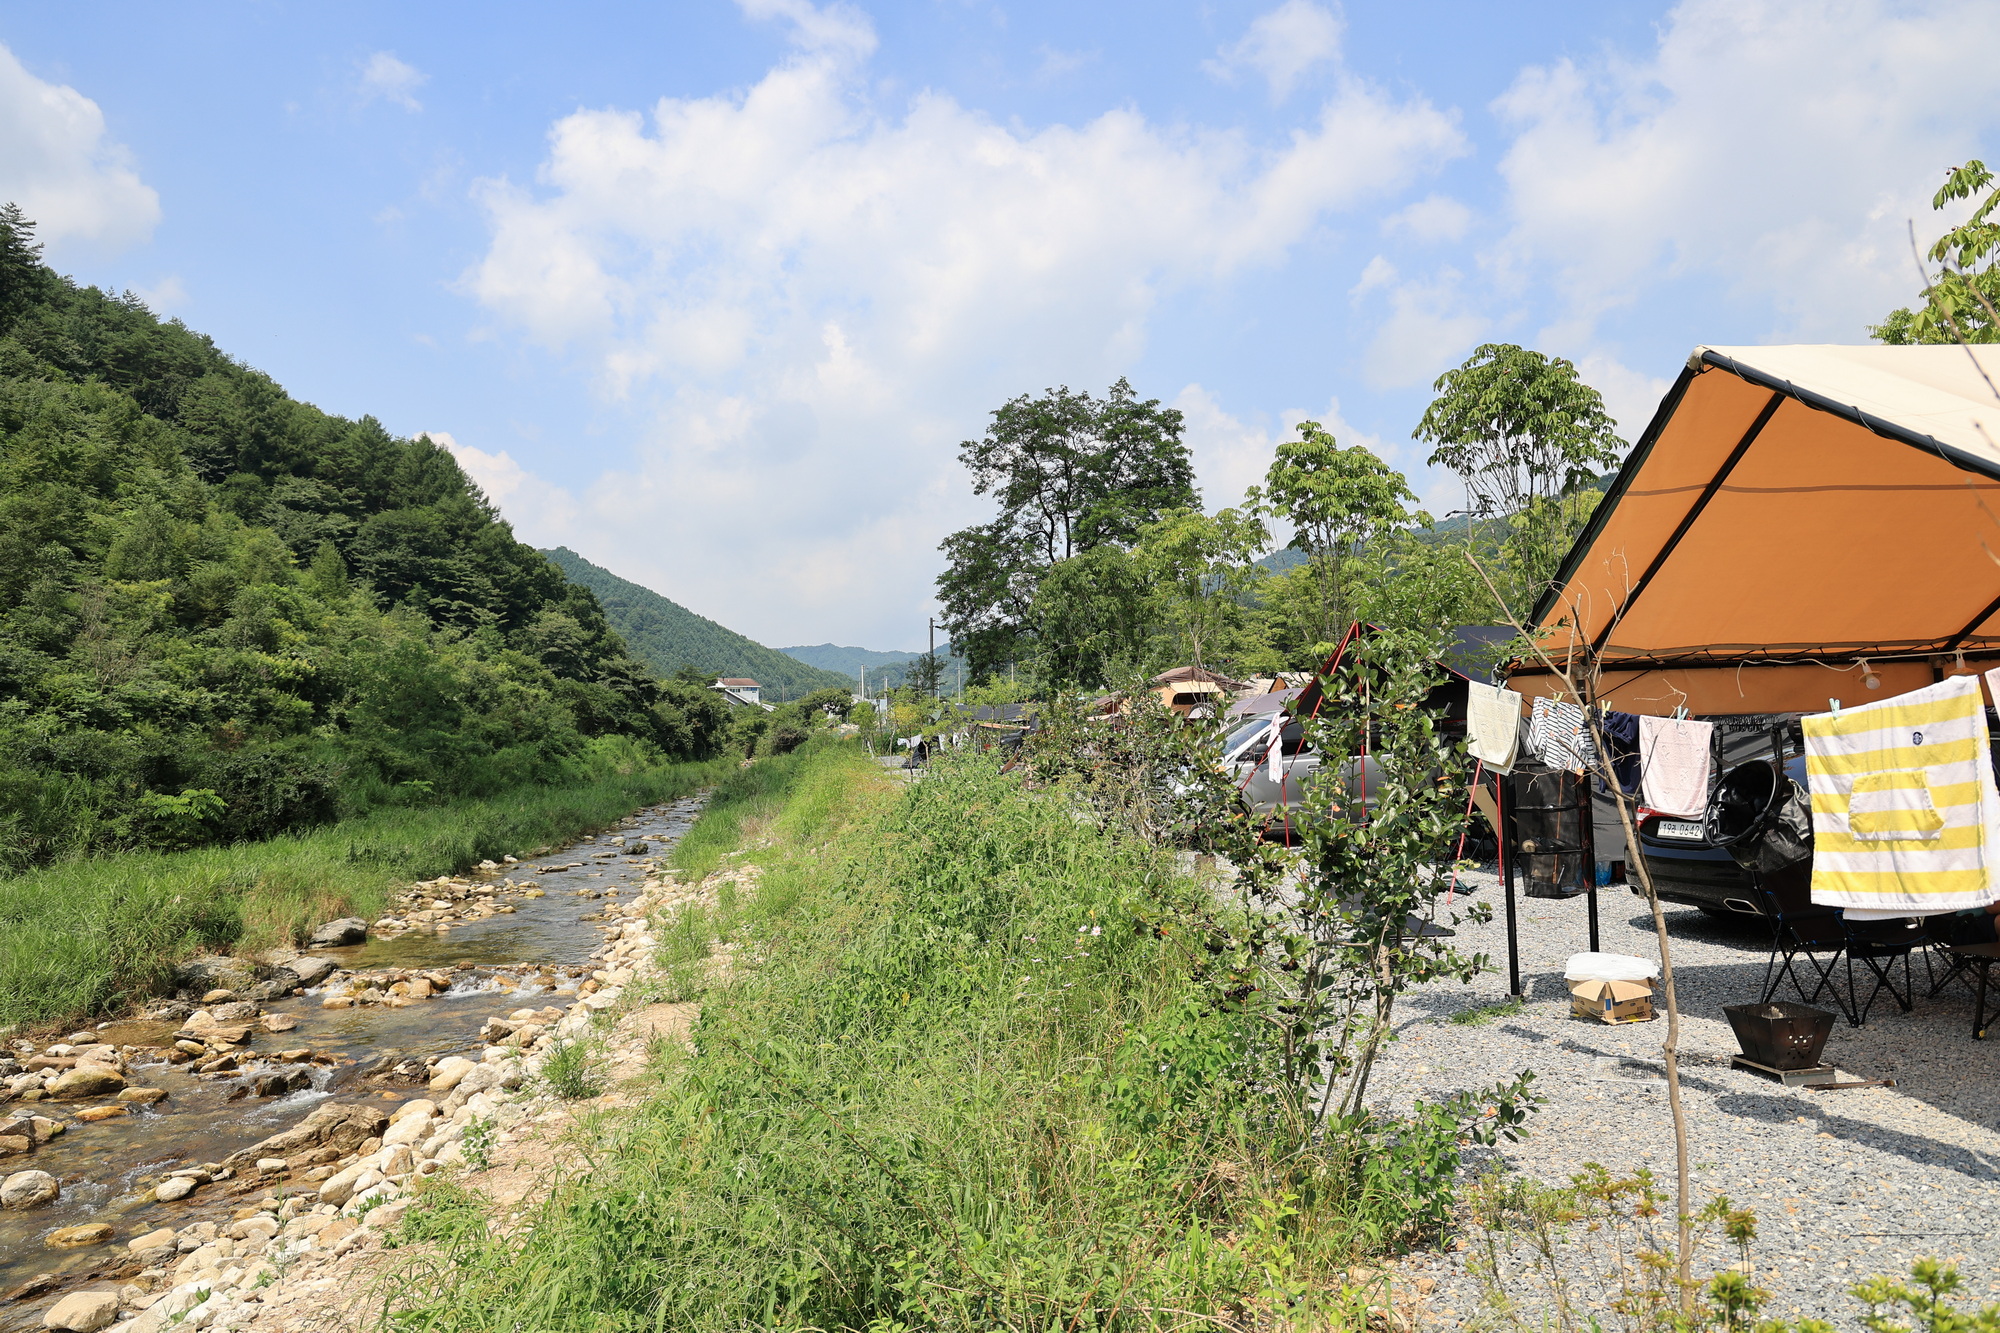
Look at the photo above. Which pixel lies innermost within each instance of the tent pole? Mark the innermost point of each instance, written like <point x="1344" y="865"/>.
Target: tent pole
<point x="1507" y="875"/>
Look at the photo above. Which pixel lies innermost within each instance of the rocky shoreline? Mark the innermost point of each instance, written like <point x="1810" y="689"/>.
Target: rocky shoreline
<point x="319" y="1198"/>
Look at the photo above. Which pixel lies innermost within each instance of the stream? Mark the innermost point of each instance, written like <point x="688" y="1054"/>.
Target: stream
<point x="529" y="956"/>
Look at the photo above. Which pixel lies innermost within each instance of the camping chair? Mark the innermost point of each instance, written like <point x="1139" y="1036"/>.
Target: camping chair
<point x="1959" y="961"/>
<point x="1803" y="931"/>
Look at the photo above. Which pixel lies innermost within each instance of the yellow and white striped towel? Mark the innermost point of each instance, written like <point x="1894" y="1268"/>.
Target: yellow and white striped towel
<point x="1905" y="812"/>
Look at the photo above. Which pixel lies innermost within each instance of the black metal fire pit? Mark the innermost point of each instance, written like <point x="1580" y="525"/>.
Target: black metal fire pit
<point x="1779" y="1034"/>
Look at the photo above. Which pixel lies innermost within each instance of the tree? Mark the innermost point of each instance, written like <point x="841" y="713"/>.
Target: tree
<point x="1201" y="567"/>
<point x="1522" y="432"/>
<point x="923" y="674"/>
<point x="22" y="277"/>
<point x="834" y="703"/>
<point x="1071" y="472"/>
<point x="1341" y="503"/>
<point x="1094" y="615"/>
<point x="1963" y="304"/>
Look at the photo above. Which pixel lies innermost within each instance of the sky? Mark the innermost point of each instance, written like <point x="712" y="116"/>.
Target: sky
<point x="712" y="292"/>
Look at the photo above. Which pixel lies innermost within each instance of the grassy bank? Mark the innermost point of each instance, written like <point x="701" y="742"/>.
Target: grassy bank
<point x="962" y="1077"/>
<point x="88" y="936"/>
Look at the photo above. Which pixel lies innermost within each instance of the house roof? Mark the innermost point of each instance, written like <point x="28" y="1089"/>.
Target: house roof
<point x="1193" y="674"/>
<point x="739" y="683"/>
<point x="1792" y="510"/>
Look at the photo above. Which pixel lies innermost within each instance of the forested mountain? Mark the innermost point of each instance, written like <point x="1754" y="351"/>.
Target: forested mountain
<point x="847" y="661"/>
<point x="225" y="613"/>
<point x="672" y="639"/>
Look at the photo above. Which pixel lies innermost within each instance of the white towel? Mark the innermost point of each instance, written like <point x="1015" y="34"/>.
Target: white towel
<point x="1492" y="726"/>
<point x="1906" y="815"/>
<point x="1674" y="757"/>
<point x="1557" y="737"/>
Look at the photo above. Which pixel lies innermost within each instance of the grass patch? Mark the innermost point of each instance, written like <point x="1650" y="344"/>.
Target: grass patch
<point x="570" y="1069"/>
<point x="1481" y="1014"/>
<point x="90" y="936"/>
<point x="744" y="803"/>
<point x="962" y="1078"/>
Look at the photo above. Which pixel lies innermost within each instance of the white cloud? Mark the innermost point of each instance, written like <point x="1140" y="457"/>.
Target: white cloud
<point x="384" y="76"/>
<point x="816" y="299"/>
<point x="58" y="165"/>
<point x="498" y="474"/>
<point x="167" y="297"/>
<point x="1431" y="324"/>
<point x="1776" y="149"/>
<point x="1231" y="454"/>
<point x="1438" y="218"/>
<point x="1280" y="46"/>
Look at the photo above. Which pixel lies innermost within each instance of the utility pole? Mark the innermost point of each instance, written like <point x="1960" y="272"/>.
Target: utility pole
<point x="933" y="657"/>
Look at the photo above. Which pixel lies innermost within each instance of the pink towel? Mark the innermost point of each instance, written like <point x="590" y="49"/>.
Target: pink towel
<point x="1673" y="764"/>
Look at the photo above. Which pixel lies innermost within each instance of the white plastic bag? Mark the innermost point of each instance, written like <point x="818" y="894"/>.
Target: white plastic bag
<point x="1609" y="967"/>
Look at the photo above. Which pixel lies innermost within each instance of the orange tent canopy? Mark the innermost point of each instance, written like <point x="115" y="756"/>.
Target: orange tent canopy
<point x="1793" y="520"/>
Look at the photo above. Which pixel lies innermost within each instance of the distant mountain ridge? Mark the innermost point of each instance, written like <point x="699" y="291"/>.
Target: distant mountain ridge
<point x="848" y="661"/>
<point x="667" y="636"/>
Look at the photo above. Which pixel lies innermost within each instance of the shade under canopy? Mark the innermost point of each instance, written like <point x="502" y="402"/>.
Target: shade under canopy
<point x="1789" y="512"/>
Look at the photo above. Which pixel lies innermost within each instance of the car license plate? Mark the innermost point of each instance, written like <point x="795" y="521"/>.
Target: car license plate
<point x="1677" y="828"/>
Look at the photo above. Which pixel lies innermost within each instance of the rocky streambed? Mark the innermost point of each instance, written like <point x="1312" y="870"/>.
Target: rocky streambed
<point x="248" y="1106"/>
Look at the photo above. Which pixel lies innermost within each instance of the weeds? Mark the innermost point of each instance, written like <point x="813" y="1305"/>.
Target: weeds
<point x="477" y="1144"/>
<point x="966" y="1085"/>
<point x="1481" y="1014"/>
<point x="570" y="1070"/>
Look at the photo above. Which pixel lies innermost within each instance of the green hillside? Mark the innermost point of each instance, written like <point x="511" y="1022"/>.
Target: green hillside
<point x="226" y="614"/>
<point x="668" y="636"/>
<point x="847" y="661"/>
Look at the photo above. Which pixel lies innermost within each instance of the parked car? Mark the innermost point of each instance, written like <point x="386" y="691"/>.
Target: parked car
<point x="1246" y="755"/>
<point x="1690" y="871"/>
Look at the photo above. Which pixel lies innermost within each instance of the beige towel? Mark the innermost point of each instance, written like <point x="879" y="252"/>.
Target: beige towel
<point x="1492" y="726"/>
<point x="1673" y="764"/>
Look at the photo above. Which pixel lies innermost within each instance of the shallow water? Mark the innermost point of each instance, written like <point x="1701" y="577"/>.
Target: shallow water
<point x="523" y="959"/>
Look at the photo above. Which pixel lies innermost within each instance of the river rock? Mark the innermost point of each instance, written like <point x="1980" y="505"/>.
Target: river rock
<point x="339" y="1186"/>
<point x="75" y="1238"/>
<point x="143" y="1096"/>
<point x="83" y="1311"/>
<point x="279" y="1022"/>
<point x="242" y="1011"/>
<point x="87" y="1080"/>
<point x="12" y="1145"/>
<point x="213" y="972"/>
<point x="94" y="1114"/>
<point x="175" y="1187"/>
<point x="41" y="1129"/>
<point x="28" y="1189"/>
<point x="449" y="1072"/>
<point x="166" y="1238"/>
<point x="340" y="1125"/>
<point x="347" y="930"/>
<point x="307" y="970"/>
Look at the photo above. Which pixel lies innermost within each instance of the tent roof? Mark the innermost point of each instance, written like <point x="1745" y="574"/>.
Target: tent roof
<point x="1797" y="508"/>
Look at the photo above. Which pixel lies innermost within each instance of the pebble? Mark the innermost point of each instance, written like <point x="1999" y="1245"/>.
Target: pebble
<point x="1845" y="1184"/>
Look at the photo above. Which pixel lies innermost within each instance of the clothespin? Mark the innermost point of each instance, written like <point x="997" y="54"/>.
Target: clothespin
<point x="1834" y="704"/>
<point x="1680" y="712"/>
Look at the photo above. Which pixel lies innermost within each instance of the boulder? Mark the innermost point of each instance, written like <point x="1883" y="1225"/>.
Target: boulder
<point x="449" y="1072"/>
<point x="422" y="1107"/>
<point x="96" y="1113"/>
<point x="213" y="972"/>
<point x="75" y="1238"/>
<point x="12" y="1145"/>
<point x="339" y="1186"/>
<point x="28" y="1189"/>
<point x="41" y="1129"/>
<point x="307" y="970"/>
<point x="342" y="1126"/>
<point x="334" y="934"/>
<point x="87" y="1080"/>
<point x="409" y="1129"/>
<point x="242" y="1011"/>
<point x="174" y="1188"/>
<point x="83" y="1311"/>
<point x="279" y="1022"/>
<point x="143" y="1096"/>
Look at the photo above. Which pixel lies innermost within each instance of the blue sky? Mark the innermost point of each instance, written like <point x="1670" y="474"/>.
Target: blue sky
<point x="710" y="292"/>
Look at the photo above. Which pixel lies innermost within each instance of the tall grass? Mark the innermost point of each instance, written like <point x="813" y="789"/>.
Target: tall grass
<point x="745" y="800"/>
<point x="89" y="936"/>
<point x="961" y="1078"/>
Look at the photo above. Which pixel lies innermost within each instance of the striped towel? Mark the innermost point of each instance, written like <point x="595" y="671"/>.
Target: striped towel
<point x="1906" y="816"/>
<point x="1558" y="737"/>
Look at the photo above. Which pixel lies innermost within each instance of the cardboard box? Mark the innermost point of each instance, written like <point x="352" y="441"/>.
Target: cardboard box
<point x="1612" y="1001"/>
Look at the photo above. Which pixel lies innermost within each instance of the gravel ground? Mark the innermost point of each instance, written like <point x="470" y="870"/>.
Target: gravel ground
<point x="1845" y="1184"/>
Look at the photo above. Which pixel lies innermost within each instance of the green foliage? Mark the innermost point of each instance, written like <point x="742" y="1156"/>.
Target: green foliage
<point x="956" y="1081"/>
<point x="1202" y="566"/>
<point x="1963" y="303"/>
<point x="1096" y="615"/>
<point x="88" y="936"/>
<point x="669" y="638"/>
<point x="1070" y="472"/>
<point x="570" y="1069"/>
<point x="1523" y="432"/>
<point x="226" y="615"/>
<point x="1344" y="505"/>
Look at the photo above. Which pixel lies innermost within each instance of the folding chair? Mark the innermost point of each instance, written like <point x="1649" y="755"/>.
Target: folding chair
<point x="1802" y="930"/>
